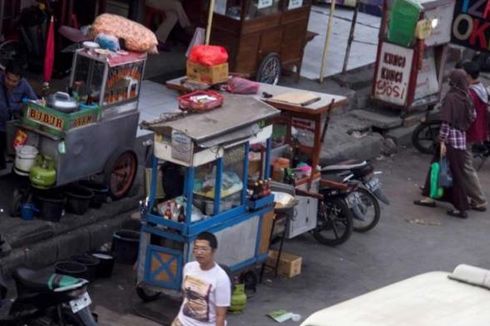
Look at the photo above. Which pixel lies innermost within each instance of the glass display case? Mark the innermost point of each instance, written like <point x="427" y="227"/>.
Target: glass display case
<point x="107" y="79"/>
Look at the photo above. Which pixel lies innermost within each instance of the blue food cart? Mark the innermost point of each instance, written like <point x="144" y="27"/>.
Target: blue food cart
<point x="202" y="161"/>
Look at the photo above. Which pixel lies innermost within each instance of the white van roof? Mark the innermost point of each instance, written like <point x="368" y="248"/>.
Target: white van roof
<point x="460" y="298"/>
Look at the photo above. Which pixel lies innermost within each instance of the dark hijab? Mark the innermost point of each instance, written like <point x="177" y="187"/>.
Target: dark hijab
<point x="457" y="106"/>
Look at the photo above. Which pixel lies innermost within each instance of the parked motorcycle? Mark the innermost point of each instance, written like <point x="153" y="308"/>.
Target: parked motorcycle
<point x="46" y="300"/>
<point x="364" y="201"/>
<point x="334" y="220"/>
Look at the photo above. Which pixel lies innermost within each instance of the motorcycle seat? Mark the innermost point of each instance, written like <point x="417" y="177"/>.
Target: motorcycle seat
<point x="28" y="280"/>
<point x="345" y="165"/>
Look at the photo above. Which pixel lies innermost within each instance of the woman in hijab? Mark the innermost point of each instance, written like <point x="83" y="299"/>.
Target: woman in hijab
<point x="457" y="114"/>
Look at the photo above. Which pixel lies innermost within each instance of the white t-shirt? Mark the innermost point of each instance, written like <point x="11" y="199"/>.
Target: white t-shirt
<point x="203" y="292"/>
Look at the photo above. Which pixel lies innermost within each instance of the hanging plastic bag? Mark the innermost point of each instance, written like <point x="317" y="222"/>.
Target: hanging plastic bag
<point x="445" y="177"/>
<point x="435" y="190"/>
<point x="208" y="55"/>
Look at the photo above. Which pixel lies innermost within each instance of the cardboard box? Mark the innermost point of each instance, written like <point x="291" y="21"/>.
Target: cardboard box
<point x="289" y="265"/>
<point x="207" y="74"/>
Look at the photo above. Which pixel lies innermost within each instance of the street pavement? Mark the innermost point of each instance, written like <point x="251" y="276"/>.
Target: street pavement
<point x="408" y="240"/>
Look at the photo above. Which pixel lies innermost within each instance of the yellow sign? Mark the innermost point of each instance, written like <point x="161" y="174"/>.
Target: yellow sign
<point x="45" y="118"/>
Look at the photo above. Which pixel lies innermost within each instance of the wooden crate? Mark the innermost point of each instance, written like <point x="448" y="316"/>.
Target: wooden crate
<point x="289" y="265"/>
<point x="207" y="74"/>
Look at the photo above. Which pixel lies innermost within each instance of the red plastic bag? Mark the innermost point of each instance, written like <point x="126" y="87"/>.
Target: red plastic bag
<point x="208" y="55"/>
<point x="239" y="85"/>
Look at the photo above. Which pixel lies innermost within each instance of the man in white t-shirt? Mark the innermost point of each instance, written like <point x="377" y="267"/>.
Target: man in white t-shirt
<point x="206" y="287"/>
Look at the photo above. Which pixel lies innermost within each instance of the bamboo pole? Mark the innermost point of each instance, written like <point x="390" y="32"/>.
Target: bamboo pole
<point x="210" y="21"/>
<point x="327" y="39"/>
<point x="351" y="37"/>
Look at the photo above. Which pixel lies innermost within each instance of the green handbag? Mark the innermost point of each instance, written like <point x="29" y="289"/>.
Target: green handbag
<point x="435" y="191"/>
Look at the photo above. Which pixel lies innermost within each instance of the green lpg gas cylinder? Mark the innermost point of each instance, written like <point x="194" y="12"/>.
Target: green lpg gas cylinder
<point x="403" y="19"/>
<point x="238" y="299"/>
<point x="43" y="173"/>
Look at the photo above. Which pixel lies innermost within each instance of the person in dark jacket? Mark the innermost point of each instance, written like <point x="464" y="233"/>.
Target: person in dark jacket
<point x="14" y="88"/>
<point x="457" y="115"/>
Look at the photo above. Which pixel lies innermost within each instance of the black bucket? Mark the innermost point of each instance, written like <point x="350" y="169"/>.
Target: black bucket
<point x="90" y="262"/>
<point x="78" y="200"/>
<point x="101" y="192"/>
<point x="50" y="205"/>
<point x="71" y="268"/>
<point x="125" y="245"/>
<point x="106" y="265"/>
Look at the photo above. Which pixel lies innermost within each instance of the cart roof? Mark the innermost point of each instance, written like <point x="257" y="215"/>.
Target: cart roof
<point x="237" y="112"/>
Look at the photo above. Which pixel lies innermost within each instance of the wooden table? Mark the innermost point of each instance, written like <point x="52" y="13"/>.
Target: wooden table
<point x="313" y="117"/>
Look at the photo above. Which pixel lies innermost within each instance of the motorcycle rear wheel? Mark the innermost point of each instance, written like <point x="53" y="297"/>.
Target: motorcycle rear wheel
<point x="367" y="214"/>
<point x="334" y="223"/>
<point x="424" y="137"/>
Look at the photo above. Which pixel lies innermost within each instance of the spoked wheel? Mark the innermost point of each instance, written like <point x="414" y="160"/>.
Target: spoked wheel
<point x="269" y="69"/>
<point x="334" y="224"/>
<point x="146" y="294"/>
<point x="424" y="137"/>
<point x="365" y="211"/>
<point x="120" y="173"/>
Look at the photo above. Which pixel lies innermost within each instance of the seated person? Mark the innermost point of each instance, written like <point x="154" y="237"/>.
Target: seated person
<point x="173" y="12"/>
<point x="13" y="89"/>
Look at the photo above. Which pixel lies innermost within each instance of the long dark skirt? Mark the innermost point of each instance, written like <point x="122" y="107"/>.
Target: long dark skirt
<point x="456" y="195"/>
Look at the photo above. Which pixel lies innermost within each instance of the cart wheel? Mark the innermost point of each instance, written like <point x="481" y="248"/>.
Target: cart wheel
<point x="269" y="69"/>
<point x="120" y="172"/>
<point x="147" y="295"/>
<point x="16" y="203"/>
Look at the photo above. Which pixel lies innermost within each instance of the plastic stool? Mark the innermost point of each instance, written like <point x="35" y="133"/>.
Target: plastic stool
<point x="150" y="15"/>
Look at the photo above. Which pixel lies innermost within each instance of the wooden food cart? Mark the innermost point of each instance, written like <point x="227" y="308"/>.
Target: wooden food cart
<point x="206" y="150"/>
<point x="262" y="36"/>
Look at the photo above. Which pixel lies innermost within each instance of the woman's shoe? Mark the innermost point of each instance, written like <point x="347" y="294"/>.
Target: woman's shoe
<point x="457" y="213"/>
<point x="425" y="203"/>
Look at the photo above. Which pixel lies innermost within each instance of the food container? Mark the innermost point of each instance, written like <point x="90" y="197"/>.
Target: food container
<point x="62" y="102"/>
<point x="200" y="101"/>
<point x="24" y="159"/>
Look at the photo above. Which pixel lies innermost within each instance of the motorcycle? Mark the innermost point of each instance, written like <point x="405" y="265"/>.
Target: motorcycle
<point x="46" y="300"/>
<point x="364" y="201"/>
<point x="334" y="218"/>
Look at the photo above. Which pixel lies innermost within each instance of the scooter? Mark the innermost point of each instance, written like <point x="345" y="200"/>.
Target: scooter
<point x="365" y="198"/>
<point x="46" y="300"/>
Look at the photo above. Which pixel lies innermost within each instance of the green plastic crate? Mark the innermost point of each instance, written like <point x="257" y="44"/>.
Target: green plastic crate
<point x="55" y="122"/>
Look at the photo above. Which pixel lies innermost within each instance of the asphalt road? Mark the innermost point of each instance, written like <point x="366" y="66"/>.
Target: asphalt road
<point x="408" y="240"/>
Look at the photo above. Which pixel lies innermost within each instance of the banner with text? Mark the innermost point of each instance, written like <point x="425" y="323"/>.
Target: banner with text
<point x="393" y="74"/>
<point x="471" y="24"/>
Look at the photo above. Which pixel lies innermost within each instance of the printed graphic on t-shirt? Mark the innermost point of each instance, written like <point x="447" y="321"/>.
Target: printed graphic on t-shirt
<point x="196" y="292"/>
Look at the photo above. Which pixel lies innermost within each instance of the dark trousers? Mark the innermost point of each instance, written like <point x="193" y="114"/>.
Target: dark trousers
<point x="456" y="194"/>
<point x="3" y="149"/>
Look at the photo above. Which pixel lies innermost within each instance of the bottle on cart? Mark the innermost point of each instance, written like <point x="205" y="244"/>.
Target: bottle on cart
<point x="255" y="190"/>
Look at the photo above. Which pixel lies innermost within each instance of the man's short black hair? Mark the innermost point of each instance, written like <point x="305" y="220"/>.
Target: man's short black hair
<point x="472" y="69"/>
<point x="14" y="68"/>
<point x="209" y="237"/>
